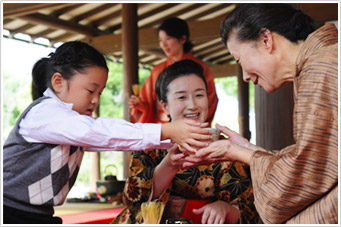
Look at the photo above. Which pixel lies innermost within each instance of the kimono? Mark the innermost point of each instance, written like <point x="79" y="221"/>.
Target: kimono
<point x="299" y="184"/>
<point x="226" y="181"/>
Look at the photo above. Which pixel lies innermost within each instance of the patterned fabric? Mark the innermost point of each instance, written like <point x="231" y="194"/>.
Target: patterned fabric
<point x="299" y="184"/>
<point x="65" y="164"/>
<point x="37" y="186"/>
<point x="227" y="181"/>
<point x="153" y="110"/>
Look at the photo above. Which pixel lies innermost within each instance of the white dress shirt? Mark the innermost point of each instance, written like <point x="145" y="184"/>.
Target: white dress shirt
<point x="53" y="121"/>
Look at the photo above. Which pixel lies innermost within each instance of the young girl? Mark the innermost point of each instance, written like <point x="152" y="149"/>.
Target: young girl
<point x="43" y="152"/>
<point x="221" y="192"/>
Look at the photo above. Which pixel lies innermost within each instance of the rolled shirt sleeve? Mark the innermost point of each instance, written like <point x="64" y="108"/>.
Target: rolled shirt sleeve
<point x="56" y="123"/>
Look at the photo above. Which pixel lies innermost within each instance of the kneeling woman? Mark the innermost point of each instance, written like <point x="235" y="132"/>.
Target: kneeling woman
<point x="209" y="194"/>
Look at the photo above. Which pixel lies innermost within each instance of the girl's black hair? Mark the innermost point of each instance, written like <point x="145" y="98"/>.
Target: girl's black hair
<point x="250" y="20"/>
<point x="176" y="27"/>
<point x="181" y="68"/>
<point x="69" y="58"/>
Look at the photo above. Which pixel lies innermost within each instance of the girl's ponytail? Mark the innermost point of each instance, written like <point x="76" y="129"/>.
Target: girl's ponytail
<point x="39" y="82"/>
<point x="68" y="59"/>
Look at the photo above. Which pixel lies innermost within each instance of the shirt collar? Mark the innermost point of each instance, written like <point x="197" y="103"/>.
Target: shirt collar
<point x="49" y="93"/>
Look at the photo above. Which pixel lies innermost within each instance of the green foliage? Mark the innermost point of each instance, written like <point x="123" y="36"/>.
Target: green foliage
<point x="16" y="97"/>
<point x="230" y="86"/>
<point x="111" y="98"/>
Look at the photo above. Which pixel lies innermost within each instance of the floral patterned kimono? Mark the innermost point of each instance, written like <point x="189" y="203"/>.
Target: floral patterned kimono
<point x="226" y="181"/>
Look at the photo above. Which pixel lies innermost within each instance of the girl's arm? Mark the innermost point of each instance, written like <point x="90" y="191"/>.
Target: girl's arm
<point x="54" y="122"/>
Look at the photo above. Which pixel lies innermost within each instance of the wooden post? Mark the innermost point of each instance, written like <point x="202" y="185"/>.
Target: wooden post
<point x="243" y="103"/>
<point x="130" y="63"/>
<point x="274" y="122"/>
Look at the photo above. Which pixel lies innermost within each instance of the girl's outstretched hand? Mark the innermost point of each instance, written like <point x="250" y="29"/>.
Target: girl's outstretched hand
<point x="218" y="212"/>
<point x="189" y="134"/>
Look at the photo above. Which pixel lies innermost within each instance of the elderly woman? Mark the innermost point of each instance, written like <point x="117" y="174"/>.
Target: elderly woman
<point x="275" y="45"/>
<point x="209" y="194"/>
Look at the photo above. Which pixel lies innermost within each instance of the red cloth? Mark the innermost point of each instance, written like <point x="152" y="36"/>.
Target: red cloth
<point x="153" y="112"/>
<point x="92" y="217"/>
<point x="193" y="204"/>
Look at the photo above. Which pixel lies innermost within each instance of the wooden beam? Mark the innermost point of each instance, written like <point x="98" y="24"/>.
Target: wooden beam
<point x="22" y="28"/>
<point x="188" y="8"/>
<point x="61" y="24"/>
<point x="66" y="9"/>
<point x="224" y="70"/>
<point x="20" y="9"/>
<point x="319" y="12"/>
<point x="143" y="16"/>
<point x="220" y="51"/>
<point x="109" y="17"/>
<point x="209" y="44"/>
<point x="93" y="11"/>
<point x="43" y="33"/>
<point x="207" y="9"/>
<point x="148" y="36"/>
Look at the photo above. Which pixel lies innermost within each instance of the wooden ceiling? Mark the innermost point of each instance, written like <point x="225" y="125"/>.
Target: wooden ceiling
<point x="100" y="24"/>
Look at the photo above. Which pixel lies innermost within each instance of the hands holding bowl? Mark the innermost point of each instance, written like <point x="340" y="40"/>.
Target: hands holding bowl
<point x="233" y="148"/>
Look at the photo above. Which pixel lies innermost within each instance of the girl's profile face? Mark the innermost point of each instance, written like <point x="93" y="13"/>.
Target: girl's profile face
<point x="171" y="46"/>
<point x="84" y="89"/>
<point x="187" y="98"/>
<point x="257" y="63"/>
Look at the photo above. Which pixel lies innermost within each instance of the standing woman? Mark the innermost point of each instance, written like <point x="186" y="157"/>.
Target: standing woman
<point x="276" y="44"/>
<point x="175" y="43"/>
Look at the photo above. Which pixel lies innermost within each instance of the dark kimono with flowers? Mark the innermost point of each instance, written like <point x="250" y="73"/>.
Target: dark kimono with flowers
<point x="226" y="181"/>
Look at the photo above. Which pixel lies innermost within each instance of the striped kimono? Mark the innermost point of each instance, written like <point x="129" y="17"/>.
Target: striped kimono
<point x="299" y="184"/>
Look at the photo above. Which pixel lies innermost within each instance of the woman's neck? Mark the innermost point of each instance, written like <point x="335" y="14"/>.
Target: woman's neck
<point x="288" y="58"/>
<point x="178" y="57"/>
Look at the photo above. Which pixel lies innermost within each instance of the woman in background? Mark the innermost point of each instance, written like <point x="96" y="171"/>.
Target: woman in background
<point x="175" y="43"/>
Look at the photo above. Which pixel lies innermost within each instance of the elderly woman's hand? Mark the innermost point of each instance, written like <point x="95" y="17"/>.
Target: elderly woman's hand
<point x="236" y="138"/>
<point x="219" y="151"/>
<point x="233" y="136"/>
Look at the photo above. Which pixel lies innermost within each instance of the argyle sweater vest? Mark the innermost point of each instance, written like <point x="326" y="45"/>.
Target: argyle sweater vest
<point x="37" y="176"/>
